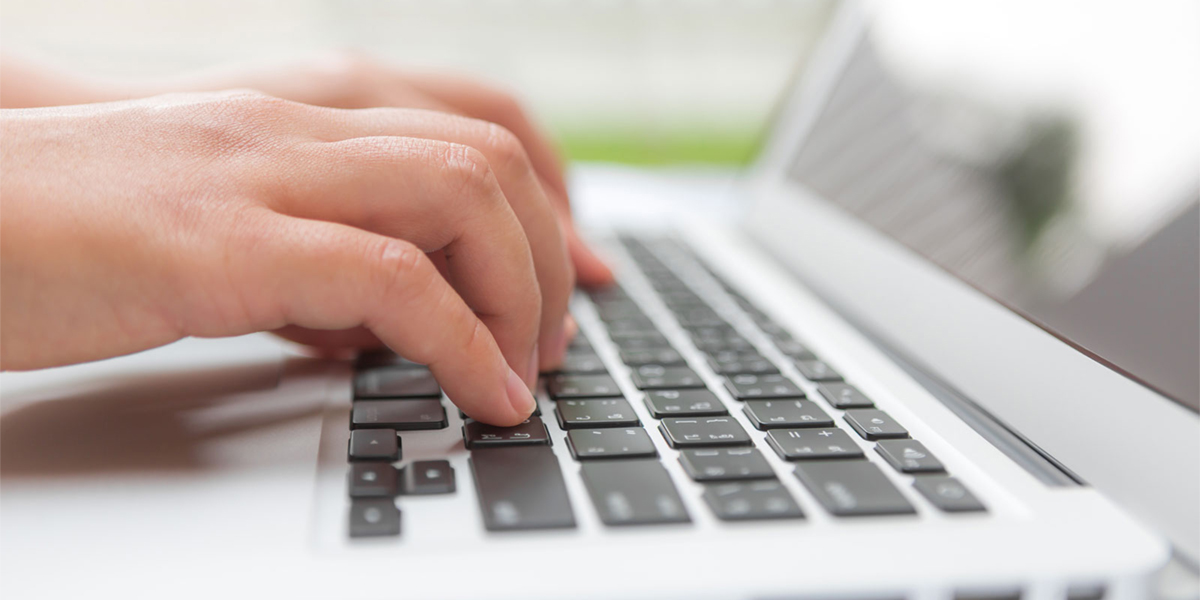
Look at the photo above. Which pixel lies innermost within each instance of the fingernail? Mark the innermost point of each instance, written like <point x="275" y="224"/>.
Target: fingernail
<point x="532" y="369"/>
<point x="519" y="395"/>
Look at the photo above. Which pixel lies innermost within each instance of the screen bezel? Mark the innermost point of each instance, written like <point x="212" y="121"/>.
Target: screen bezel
<point x="1061" y="400"/>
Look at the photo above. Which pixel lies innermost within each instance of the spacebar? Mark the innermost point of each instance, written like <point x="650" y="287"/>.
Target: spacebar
<point x="521" y="487"/>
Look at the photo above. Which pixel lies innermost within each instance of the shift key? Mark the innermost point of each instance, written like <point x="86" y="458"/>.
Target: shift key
<point x="521" y="487"/>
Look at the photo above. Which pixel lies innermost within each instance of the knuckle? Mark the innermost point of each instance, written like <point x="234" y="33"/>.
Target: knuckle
<point x="400" y="268"/>
<point x="505" y="147"/>
<point x="468" y="169"/>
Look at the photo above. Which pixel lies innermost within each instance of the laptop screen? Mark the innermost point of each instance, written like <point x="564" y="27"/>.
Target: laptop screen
<point x="1046" y="155"/>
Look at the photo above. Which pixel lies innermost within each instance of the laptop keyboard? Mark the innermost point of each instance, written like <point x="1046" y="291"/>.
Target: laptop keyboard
<point x="519" y="480"/>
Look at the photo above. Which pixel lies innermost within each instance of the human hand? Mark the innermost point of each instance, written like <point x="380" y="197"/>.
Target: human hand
<point x="349" y="80"/>
<point x="129" y="225"/>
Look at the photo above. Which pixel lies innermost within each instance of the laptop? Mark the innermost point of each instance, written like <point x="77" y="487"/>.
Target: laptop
<point x="845" y="392"/>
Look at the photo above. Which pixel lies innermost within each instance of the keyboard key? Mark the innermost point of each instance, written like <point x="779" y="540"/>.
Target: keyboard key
<point x="751" y="500"/>
<point x="657" y="356"/>
<point x="374" y="444"/>
<point x="703" y="431"/>
<point x="733" y="342"/>
<point x="723" y="464"/>
<point x="874" y="424"/>
<point x="422" y="477"/>
<point x="615" y="311"/>
<point x="947" y="493"/>
<point x="537" y="412"/>
<point x="650" y="341"/>
<point x="631" y="442"/>
<point x="679" y="403"/>
<point x="909" y="456"/>
<point x="633" y="492"/>
<point x="481" y="435"/>
<point x="777" y="414"/>
<point x="734" y="363"/>
<point x="844" y="395"/>
<point x="606" y="412"/>
<point x="747" y="386"/>
<point x="396" y="382"/>
<point x="521" y="488"/>
<point x="401" y="415"/>
<point x="809" y="444"/>
<point x="816" y="370"/>
<point x="376" y="517"/>
<point x="581" y="386"/>
<point x="631" y="325"/>
<point x="676" y="299"/>
<point x="384" y="358"/>
<point x="851" y="488"/>
<point x="372" y="480"/>
<point x="581" y="363"/>
<point x="698" y="316"/>
<point x="795" y="350"/>
<point x="774" y="330"/>
<point x="657" y="377"/>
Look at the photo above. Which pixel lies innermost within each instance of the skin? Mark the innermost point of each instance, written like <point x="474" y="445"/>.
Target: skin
<point x="441" y="230"/>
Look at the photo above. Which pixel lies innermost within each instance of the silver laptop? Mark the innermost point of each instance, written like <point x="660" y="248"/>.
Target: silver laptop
<point x="853" y="391"/>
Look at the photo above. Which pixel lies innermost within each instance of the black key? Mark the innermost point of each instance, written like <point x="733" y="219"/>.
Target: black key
<point x="402" y="415"/>
<point x="703" y="431"/>
<point x="809" y="444"/>
<point x="521" y="488"/>
<point x="633" y="492"/>
<point x="396" y="382"/>
<point x="751" y="500"/>
<point x="630" y="442"/>
<point x="645" y="342"/>
<point x="632" y="325"/>
<point x="481" y="435"/>
<point x="734" y="363"/>
<point x="612" y="293"/>
<point x="679" y="403"/>
<point x="601" y="412"/>
<point x="722" y="464"/>
<point x="794" y="349"/>
<point x="615" y="311"/>
<point x="753" y="387"/>
<point x="874" y="424"/>
<point x="374" y="444"/>
<point x="676" y="299"/>
<point x="423" y="477"/>
<point x="647" y="333"/>
<point x="909" y="456"/>
<point x="657" y="356"/>
<point x="844" y="395"/>
<point x="375" y="517"/>
<point x="384" y="358"/>
<point x="581" y="363"/>
<point x="777" y="414"/>
<point x="697" y="316"/>
<point x="947" y="493"/>
<point x="851" y="488"/>
<point x="581" y="386"/>
<point x="537" y="412"/>
<point x="817" y="370"/>
<point x="733" y="342"/>
<point x="775" y="331"/>
<point x="658" y="377"/>
<point x="372" y="480"/>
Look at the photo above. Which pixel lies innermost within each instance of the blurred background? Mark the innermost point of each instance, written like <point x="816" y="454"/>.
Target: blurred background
<point x="658" y="81"/>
